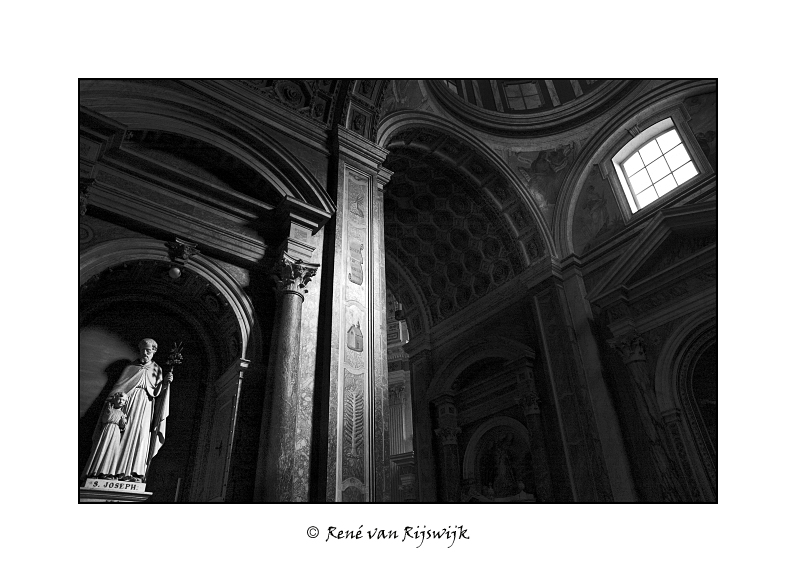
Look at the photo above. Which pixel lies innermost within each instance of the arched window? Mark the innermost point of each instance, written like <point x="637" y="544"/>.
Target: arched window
<point x="662" y="159"/>
<point x="657" y="167"/>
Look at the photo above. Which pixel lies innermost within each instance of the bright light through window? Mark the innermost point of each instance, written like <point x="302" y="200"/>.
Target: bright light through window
<point x="657" y="168"/>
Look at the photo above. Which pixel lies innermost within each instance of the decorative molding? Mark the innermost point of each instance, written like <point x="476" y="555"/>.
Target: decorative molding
<point x="531" y="124"/>
<point x="181" y="251"/>
<point x="83" y="194"/>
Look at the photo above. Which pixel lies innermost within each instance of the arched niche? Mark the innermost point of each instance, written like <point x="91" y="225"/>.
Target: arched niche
<point x="126" y="294"/>
<point x="496" y="464"/>
<point x="689" y="413"/>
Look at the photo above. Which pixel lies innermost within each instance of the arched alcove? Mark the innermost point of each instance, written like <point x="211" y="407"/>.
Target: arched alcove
<point x="127" y="294"/>
<point x="686" y="390"/>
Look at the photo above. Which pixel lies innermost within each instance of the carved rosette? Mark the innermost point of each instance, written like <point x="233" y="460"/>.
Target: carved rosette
<point x="293" y="275"/>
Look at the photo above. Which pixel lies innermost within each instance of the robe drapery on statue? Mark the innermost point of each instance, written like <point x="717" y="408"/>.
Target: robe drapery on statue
<point x="147" y="409"/>
<point x="106" y="443"/>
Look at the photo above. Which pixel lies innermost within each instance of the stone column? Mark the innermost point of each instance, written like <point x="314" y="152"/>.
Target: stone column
<point x="539" y="457"/>
<point x="571" y="400"/>
<point x="632" y="349"/>
<point x="447" y="432"/>
<point x="275" y="484"/>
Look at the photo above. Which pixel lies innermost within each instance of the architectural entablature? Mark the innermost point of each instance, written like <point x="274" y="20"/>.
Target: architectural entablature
<point x="671" y="266"/>
<point x="473" y="351"/>
<point x="162" y="109"/>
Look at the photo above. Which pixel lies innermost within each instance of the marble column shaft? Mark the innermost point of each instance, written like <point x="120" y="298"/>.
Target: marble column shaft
<point x="632" y="350"/>
<point x="291" y="276"/>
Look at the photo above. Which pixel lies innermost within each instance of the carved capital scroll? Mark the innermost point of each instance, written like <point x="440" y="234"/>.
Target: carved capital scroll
<point x="448" y="435"/>
<point x="293" y="275"/>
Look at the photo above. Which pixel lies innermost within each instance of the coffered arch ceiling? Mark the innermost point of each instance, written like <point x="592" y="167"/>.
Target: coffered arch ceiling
<point x="454" y="229"/>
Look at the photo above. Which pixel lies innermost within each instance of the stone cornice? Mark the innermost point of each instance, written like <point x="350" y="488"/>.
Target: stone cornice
<point x="660" y="227"/>
<point x="283" y="119"/>
<point x="166" y="217"/>
<point x="349" y="144"/>
<point x="532" y="124"/>
<point x="681" y="288"/>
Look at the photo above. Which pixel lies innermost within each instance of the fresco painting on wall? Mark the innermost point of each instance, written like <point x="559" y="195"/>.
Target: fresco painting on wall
<point x="703" y="109"/>
<point x="405" y="94"/>
<point x="597" y="215"/>
<point x="543" y="173"/>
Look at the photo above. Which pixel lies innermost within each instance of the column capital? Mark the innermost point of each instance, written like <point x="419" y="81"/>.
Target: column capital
<point x="631" y="347"/>
<point x="292" y="275"/>
<point x="396" y="394"/>
<point x="448" y="435"/>
<point x="530" y="402"/>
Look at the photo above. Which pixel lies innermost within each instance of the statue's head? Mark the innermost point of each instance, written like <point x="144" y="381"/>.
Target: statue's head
<point x="147" y="349"/>
<point x="118" y="400"/>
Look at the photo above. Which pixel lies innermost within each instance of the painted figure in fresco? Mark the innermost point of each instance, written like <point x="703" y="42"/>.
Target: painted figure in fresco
<point x="146" y="390"/>
<point x="106" y="442"/>
<point x="545" y="173"/>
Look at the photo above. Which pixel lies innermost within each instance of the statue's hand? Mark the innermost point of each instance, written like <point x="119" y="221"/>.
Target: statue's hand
<point x="169" y="376"/>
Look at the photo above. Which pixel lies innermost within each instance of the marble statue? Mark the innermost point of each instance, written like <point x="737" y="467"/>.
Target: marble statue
<point x="106" y="441"/>
<point x="144" y="389"/>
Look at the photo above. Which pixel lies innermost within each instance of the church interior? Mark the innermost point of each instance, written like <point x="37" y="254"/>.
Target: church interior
<point x="405" y="291"/>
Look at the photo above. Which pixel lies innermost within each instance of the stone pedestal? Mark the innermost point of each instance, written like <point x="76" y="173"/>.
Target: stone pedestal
<point x="96" y="490"/>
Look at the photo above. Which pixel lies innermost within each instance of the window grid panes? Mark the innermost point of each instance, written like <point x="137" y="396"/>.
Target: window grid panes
<point x="658" y="167"/>
<point x="522" y="96"/>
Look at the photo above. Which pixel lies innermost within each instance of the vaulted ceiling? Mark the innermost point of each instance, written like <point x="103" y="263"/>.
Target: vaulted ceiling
<point x="454" y="231"/>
